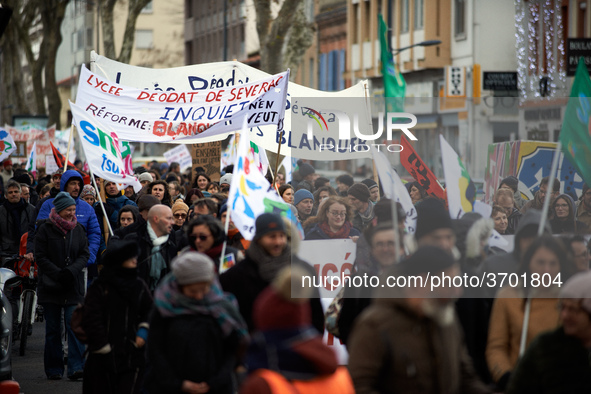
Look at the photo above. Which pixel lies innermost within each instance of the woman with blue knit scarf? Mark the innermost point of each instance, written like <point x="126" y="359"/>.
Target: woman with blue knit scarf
<point x="196" y="331"/>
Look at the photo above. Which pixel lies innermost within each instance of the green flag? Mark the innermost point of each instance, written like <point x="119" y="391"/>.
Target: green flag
<point x="575" y="135"/>
<point x="394" y="83"/>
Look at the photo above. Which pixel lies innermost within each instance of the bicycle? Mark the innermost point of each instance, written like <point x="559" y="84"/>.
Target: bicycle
<point x="27" y="308"/>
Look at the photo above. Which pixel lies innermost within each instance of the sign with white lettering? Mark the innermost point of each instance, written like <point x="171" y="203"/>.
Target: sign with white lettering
<point x="575" y="49"/>
<point x="506" y="81"/>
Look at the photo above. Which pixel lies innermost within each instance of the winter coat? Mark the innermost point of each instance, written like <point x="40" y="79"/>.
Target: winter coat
<point x="244" y="281"/>
<point x="513" y="221"/>
<point x="84" y="214"/>
<point x="555" y="363"/>
<point x="189" y="347"/>
<point x="506" y="323"/>
<point x="112" y="317"/>
<point x="393" y="350"/>
<point x="9" y="236"/>
<point x="315" y="232"/>
<point x="167" y="249"/>
<point x="50" y="254"/>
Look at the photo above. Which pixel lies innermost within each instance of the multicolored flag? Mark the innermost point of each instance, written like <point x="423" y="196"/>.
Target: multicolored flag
<point x="575" y="135"/>
<point x="102" y="150"/>
<point x="394" y="83"/>
<point x="461" y="192"/>
<point x="250" y="192"/>
<point x="7" y="145"/>
<point x="31" y="165"/>
<point x="259" y="157"/>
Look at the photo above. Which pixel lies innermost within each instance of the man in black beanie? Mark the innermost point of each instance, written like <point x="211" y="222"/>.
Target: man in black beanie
<point x="268" y="253"/>
<point x="417" y="325"/>
<point x="512" y="183"/>
<point x="434" y="225"/>
<point x="359" y="198"/>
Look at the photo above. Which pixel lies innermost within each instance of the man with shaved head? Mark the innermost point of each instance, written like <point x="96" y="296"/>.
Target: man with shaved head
<point x="156" y="243"/>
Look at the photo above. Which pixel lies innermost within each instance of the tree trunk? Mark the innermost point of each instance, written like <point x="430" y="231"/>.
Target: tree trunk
<point x="134" y="9"/>
<point x="275" y="48"/>
<point x="52" y="18"/>
<point x="107" y="7"/>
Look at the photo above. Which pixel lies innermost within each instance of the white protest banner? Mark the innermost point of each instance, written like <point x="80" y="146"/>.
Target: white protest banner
<point x="41" y="136"/>
<point x="460" y="189"/>
<point x="50" y="164"/>
<point x="200" y="77"/>
<point x="393" y="188"/>
<point x="181" y="155"/>
<point x="250" y="192"/>
<point x="331" y="259"/>
<point x="181" y="116"/>
<point x="102" y="149"/>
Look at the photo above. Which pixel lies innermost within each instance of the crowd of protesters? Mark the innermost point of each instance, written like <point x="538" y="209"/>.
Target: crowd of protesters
<point x="164" y="314"/>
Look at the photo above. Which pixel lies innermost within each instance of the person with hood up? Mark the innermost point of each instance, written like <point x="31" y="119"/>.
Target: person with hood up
<point x="565" y="221"/>
<point x="196" y="332"/>
<point x="287" y="354"/>
<point x="61" y="252"/>
<point x="116" y="199"/>
<point x="72" y="183"/>
<point x="115" y="319"/>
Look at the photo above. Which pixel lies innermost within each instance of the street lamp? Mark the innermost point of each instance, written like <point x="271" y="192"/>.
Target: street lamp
<point x="427" y="43"/>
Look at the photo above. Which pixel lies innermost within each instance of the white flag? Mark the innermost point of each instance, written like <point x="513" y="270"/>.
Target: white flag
<point x="393" y="188"/>
<point x="461" y="192"/>
<point x="7" y="145"/>
<point x="32" y="160"/>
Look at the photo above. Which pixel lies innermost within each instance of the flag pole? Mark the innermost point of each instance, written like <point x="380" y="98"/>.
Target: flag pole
<point x="101" y="196"/>
<point x="550" y="190"/>
<point x="69" y="145"/>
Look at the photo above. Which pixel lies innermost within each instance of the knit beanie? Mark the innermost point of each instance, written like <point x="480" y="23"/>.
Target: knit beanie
<point x="146" y="176"/>
<point x="179" y="206"/>
<point x="226" y="179"/>
<point x="62" y="201"/>
<point x="23" y="178"/>
<point x="146" y="202"/>
<point x="302" y="194"/>
<point x="118" y="251"/>
<point x="512" y="182"/>
<point x="359" y="191"/>
<point x="578" y="287"/>
<point x="305" y="169"/>
<point x="87" y="190"/>
<point x="275" y="308"/>
<point x="266" y="223"/>
<point x="193" y="267"/>
<point x="431" y="215"/>
<point x="427" y="259"/>
<point x="370" y="183"/>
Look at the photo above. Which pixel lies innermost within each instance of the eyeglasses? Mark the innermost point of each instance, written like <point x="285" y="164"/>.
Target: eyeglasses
<point x="337" y="214"/>
<point x="180" y="215"/>
<point x="201" y="237"/>
<point x="561" y="205"/>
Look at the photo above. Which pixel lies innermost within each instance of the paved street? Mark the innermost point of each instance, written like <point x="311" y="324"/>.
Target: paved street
<point x="28" y="370"/>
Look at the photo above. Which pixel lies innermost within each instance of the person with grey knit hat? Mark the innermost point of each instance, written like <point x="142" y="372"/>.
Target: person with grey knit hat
<point x="558" y="361"/>
<point x="359" y="195"/>
<point x="196" y="331"/>
<point x="61" y="252"/>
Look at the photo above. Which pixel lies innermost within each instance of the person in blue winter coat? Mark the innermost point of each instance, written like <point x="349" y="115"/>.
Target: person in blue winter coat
<point x="72" y="183"/>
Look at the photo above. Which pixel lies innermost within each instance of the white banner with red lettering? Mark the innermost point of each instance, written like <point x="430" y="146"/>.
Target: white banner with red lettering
<point x="182" y="116"/>
<point x="330" y="259"/>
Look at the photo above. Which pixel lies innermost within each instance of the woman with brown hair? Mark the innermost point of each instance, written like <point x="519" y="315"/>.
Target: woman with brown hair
<point x="332" y="222"/>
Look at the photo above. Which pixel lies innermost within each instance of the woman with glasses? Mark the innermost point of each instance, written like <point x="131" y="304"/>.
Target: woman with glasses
<point x="545" y="259"/>
<point x="180" y="210"/>
<point x="565" y="221"/>
<point x="333" y="221"/>
<point x="206" y="235"/>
